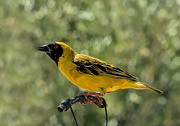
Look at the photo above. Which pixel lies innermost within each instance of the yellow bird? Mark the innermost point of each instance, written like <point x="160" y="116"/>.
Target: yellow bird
<point x="90" y="73"/>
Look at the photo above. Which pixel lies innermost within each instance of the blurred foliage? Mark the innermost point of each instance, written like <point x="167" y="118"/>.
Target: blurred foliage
<point x="139" y="36"/>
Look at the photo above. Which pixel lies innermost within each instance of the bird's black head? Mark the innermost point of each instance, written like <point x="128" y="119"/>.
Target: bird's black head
<point x="53" y="50"/>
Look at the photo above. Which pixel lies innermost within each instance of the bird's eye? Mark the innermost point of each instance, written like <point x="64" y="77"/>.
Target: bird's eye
<point x="56" y="46"/>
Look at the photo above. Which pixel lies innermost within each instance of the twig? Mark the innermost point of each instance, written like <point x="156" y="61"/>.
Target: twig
<point x="94" y="100"/>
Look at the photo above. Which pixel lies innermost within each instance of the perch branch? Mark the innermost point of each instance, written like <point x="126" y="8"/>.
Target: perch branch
<point x="94" y="100"/>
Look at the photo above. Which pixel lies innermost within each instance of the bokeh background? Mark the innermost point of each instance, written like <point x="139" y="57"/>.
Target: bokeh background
<point x="139" y="36"/>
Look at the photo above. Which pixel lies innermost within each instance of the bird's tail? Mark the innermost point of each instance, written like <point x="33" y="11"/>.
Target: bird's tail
<point x="145" y="86"/>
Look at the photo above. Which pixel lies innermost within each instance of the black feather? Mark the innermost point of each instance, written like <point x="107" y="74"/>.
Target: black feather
<point x="101" y="67"/>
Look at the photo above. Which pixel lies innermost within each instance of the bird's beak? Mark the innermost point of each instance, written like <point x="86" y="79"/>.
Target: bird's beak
<point x="45" y="48"/>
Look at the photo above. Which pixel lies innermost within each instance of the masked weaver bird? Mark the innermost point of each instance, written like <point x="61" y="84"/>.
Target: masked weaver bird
<point x="90" y="73"/>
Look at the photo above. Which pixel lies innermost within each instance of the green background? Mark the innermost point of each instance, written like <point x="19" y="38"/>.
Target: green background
<point x="140" y="36"/>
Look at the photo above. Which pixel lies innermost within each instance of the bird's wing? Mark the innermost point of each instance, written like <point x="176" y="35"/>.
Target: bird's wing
<point x="93" y="66"/>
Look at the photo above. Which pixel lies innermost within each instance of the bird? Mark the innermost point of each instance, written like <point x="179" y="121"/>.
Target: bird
<point x="90" y="73"/>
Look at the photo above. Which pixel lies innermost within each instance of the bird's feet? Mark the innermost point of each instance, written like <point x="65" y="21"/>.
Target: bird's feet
<point x="92" y="98"/>
<point x="90" y="93"/>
